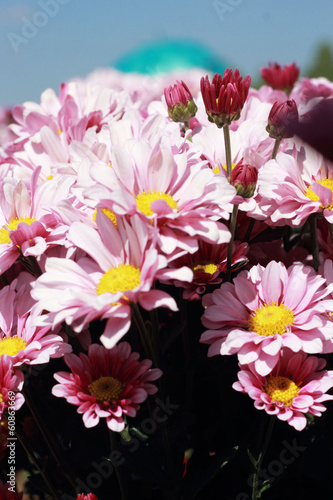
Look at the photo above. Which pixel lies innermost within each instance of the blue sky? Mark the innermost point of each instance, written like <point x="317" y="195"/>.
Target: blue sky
<point x="78" y="36"/>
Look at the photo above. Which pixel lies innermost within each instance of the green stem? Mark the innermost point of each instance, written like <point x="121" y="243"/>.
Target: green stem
<point x="255" y="484"/>
<point x="314" y="241"/>
<point x="249" y="230"/>
<point x="49" y="485"/>
<point x="116" y="468"/>
<point x="143" y="332"/>
<point x="49" y="440"/>
<point x="275" y="149"/>
<point x="232" y="228"/>
<point x="227" y="149"/>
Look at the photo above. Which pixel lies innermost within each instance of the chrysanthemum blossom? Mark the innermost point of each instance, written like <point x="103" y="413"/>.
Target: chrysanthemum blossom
<point x="179" y="196"/>
<point x="281" y="77"/>
<point x="90" y="496"/>
<point x="106" y="383"/>
<point x="123" y="267"/>
<point x="20" y="338"/>
<point x="224" y="98"/>
<point x="291" y="188"/>
<point x="296" y="386"/>
<point x="265" y="310"/>
<point x="11" y="383"/>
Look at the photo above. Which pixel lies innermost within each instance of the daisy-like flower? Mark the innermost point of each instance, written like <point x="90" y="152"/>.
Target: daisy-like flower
<point x="292" y="187"/>
<point x="265" y="310"/>
<point x="11" y="383"/>
<point x="296" y="386"/>
<point x="20" y="338"/>
<point x="179" y="196"/>
<point x="122" y="269"/>
<point x="28" y="226"/>
<point x="106" y="383"/>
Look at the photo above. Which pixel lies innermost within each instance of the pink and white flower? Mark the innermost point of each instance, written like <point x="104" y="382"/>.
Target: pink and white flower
<point x="122" y="268"/>
<point x="266" y="310"/>
<point x="296" y="386"/>
<point x="11" y="385"/>
<point x="106" y="383"/>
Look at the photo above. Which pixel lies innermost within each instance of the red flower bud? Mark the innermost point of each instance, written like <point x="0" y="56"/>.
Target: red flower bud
<point x="280" y="119"/>
<point x="90" y="496"/>
<point x="181" y="107"/>
<point x="280" y="78"/>
<point x="244" y="177"/>
<point x="224" y="98"/>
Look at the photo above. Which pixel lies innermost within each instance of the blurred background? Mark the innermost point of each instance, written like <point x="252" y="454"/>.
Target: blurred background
<point x="46" y="42"/>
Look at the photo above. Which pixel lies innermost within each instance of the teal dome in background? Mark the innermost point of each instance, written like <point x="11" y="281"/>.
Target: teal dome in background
<point x="165" y="56"/>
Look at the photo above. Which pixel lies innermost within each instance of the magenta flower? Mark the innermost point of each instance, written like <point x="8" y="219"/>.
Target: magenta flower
<point x="280" y="77"/>
<point x="295" y="386"/>
<point x="265" y="310"/>
<point x="224" y="98"/>
<point x="281" y="118"/>
<point x="90" y="496"/>
<point x="11" y="383"/>
<point x="244" y="178"/>
<point x="106" y="383"/>
<point x="181" y="107"/>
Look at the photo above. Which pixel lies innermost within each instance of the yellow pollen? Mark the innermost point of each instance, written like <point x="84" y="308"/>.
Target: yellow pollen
<point x="49" y="177"/>
<point x="144" y="200"/>
<point x="59" y="131"/>
<point x="12" y="345"/>
<point x="206" y="268"/>
<point x="327" y="183"/>
<point x="216" y="170"/>
<point x="119" y="279"/>
<point x="271" y="319"/>
<point x="12" y="225"/>
<point x="108" y="213"/>
<point x="1" y="399"/>
<point x="281" y="389"/>
<point x="106" y="389"/>
<point x="225" y="166"/>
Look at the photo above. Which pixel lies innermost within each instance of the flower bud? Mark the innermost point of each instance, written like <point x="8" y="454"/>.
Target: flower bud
<point x="181" y="107"/>
<point x="224" y="98"/>
<point x="281" y="116"/>
<point x="280" y="78"/>
<point x="244" y="178"/>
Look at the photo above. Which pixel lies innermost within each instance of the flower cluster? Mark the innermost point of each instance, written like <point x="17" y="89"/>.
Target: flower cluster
<point x="118" y="193"/>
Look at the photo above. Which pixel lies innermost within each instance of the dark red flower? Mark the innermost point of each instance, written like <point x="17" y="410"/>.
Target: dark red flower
<point x="224" y="98"/>
<point x="90" y="496"/>
<point x="280" y="77"/>
<point x="181" y="107"/>
<point x="244" y="177"/>
<point x="280" y="117"/>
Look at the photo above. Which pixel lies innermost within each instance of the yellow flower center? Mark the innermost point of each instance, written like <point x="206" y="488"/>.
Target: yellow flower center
<point x="271" y="319"/>
<point x="12" y="224"/>
<point x="1" y="398"/>
<point x="108" y="213"/>
<point x="327" y="183"/>
<point x="119" y="279"/>
<point x="106" y="389"/>
<point x="209" y="268"/>
<point x="12" y="345"/>
<point x="281" y="389"/>
<point x="216" y="170"/>
<point x="144" y="200"/>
